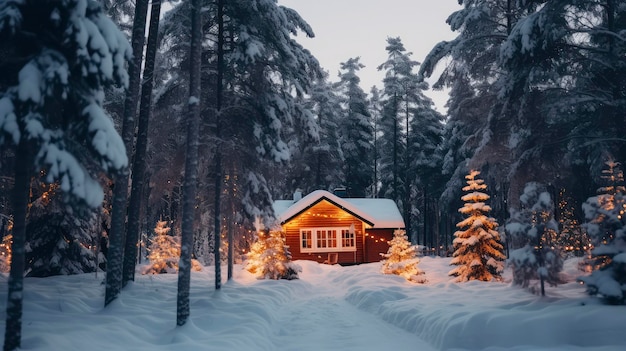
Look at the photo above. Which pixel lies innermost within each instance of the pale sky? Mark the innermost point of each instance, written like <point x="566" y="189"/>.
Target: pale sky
<point x="350" y="28"/>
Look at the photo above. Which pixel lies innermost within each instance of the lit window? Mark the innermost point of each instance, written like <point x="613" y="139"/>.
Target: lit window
<point x="326" y="239"/>
<point x="347" y="238"/>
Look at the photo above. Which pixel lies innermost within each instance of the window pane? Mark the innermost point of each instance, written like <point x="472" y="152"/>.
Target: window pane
<point x="347" y="238"/>
<point x="306" y="239"/>
<point x="332" y="238"/>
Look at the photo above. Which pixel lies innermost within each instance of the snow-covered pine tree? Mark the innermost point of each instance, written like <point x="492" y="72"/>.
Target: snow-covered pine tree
<point x="401" y="258"/>
<point x="356" y="130"/>
<point x="477" y="248"/>
<point x="164" y="252"/>
<point x="60" y="55"/>
<point x="606" y="226"/>
<point x="316" y="163"/>
<point x="269" y="257"/>
<point x="535" y="258"/>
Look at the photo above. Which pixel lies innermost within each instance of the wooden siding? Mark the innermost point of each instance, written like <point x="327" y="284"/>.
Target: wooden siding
<point x="376" y="242"/>
<point x="324" y="214"/>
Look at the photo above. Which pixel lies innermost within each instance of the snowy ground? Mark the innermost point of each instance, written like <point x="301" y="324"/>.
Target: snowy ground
<point x="329" y="308"/>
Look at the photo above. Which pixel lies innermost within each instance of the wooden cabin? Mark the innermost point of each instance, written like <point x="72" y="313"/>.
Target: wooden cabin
<point x="324" y="227"/>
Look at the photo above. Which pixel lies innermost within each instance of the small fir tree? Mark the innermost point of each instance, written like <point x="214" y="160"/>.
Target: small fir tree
<point x="401" y="258"/>
<point x="269" y="258"/>
<point x="5" y="253"/>
<point x="477" y="248"/>
<point x="605" y="225"/>
<point x="533" y="227"/>
<point x="165" y="252"/>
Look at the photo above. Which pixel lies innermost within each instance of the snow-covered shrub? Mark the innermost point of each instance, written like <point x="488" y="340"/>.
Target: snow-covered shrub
<point x="164" y="252"/>
<point x="533" y="227"/>
<point x="477" y="248"/>
<point x="269" y="258"/>
<point x="605" y="225"/>
<point x="401" y="258"/>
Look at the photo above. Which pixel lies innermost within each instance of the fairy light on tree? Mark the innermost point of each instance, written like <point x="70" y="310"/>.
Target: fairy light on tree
<point x="269" y="257"/>
<point x="164" y="252"/>
<point x="573" y="238"/>
<point x="478" y="251"/>
<point x="401" y="258"/>
<point x="605" y="225"/>
<point x="5" y="253"/>
<point x="533" y="226"/>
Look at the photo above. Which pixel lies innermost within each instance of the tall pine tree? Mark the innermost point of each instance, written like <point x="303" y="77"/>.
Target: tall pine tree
<point x="356" y="130"/>
<point x="61" y="55"/>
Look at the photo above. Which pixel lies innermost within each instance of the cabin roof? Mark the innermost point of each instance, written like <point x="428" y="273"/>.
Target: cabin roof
<point x="379" y="213"/>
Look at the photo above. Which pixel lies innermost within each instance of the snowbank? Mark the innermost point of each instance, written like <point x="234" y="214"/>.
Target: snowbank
<point x="328" y="308"/>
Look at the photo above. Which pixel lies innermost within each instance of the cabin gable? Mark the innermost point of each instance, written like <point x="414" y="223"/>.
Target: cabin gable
<point x="324" y="228"/>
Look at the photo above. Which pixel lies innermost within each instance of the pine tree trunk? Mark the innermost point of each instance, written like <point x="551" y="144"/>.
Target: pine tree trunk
<point x="21" y="189"/>
<point x="139" y="163"/>
<point x="218" y="154"/>
<point x="120" y="191"/>
<point x="191" y="165"/>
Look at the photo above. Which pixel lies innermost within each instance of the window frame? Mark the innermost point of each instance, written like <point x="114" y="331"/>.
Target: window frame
<point x="321" y="238"/>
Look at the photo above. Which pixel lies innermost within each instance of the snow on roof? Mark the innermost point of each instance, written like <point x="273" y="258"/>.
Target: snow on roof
<point x="380" y="213"/>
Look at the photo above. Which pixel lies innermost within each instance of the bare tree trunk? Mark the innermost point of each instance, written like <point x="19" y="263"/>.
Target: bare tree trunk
<point x="139" y="163"/>
<point x="191" y="166"/>
<point x="120" y="191"/>
<point x="231" y="244"/>
<point x="218" y="154"/>
<point x="21" y="189"/>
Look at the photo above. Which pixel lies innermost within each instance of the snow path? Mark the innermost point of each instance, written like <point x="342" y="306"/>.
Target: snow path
<point x="322" y="319"/>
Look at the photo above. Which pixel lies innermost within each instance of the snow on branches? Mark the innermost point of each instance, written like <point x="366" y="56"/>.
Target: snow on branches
<point x="534" y="229"/>
<point x="605" y="225"/>
<point x="69" y="52"/>
<point x="165" y="252"/>
<point x="269" y="258"/>
<point x="477" y="248"/>
<point x="401" y="258"/>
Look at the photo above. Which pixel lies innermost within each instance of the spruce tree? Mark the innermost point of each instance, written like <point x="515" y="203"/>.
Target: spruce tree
<point x="269" y="258"/>
<point x="477" y="248"/>
<point x="605" y="225"/>
<point x="356" y="130"/>
<point x="530" y="229"/>
<point x="164" y="252"/>
<point x="58" y="58"/>
<point x="59" y="239"/>
<point x="401" y="258"/>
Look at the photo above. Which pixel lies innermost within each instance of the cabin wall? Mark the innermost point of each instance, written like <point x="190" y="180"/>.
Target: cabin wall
<point x="324" y="214"/>
<point x="376" y="242"/>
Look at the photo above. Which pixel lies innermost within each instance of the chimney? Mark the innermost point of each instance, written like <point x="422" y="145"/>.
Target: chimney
<point x="341" y="192"/>
<point x="297" y="195"/>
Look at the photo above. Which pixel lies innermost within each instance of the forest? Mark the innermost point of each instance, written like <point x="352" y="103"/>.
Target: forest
<point x="117" y="115"/>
